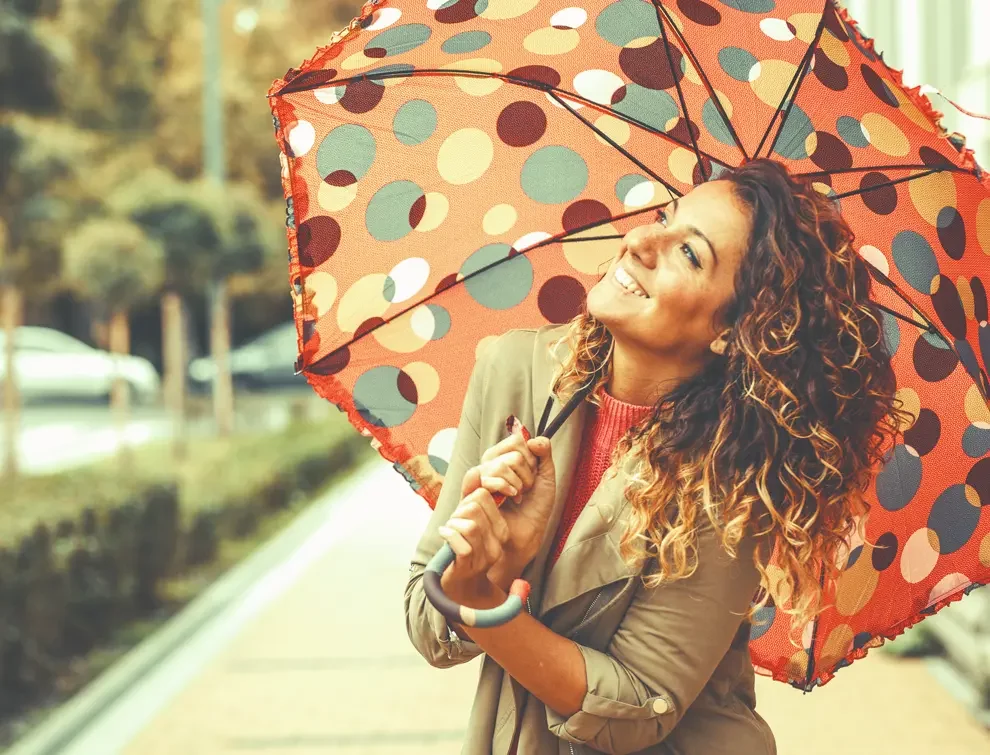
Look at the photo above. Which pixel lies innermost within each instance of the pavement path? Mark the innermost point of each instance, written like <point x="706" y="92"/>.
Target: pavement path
<point x="314" y="658"/>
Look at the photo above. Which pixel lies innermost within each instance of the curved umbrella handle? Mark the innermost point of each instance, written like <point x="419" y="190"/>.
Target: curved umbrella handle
<point x="470" y="617"/>
<point x="519" y="591"/>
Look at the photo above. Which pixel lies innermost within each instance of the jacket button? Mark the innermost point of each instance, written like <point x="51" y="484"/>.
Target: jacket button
<point x="660" y="706"/>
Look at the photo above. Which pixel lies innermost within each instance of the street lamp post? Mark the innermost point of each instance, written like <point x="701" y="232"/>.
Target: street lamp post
<point x="214" y="164"/>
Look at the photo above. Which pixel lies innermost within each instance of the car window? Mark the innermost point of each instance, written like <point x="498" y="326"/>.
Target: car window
<point x="30" y="338"/>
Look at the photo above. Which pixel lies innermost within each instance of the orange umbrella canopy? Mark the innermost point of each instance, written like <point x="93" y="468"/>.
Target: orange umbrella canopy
<point x="457" y="168"/>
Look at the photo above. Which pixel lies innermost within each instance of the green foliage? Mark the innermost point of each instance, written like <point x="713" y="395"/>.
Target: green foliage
<point x="112" y="260"/>
<point x="28" y="67"/>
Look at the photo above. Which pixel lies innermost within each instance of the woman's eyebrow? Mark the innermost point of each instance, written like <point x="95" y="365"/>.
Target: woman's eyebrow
<point x="695" y="231"/>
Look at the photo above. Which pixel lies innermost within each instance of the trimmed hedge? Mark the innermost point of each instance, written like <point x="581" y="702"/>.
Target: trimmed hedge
<point x="85" y="552"/>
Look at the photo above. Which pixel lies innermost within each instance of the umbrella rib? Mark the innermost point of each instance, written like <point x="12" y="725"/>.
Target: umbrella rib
<point x="814" y="636"/>
<point x="885" y="184"/>
<point x="528" y="83"/>
<point x="864" y="169"/>
<point x="614" y="144"/>
<point x="883" y="280"/>
<point x="680" y="91"/>
<point x="704" y="78"/>
<point x="795" y="84"/>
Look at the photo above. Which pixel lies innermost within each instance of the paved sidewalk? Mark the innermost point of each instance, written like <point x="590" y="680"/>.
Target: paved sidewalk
<point x="326" y="667"/>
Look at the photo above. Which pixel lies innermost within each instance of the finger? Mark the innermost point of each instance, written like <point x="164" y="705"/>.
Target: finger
<point x="502" y="480"/>
<point x="517" y="462"/>
<point x="512" y="442"/>
<point x="456" y="541"/>
<point x="478" y="534"/>
<point x="496" y="521"/>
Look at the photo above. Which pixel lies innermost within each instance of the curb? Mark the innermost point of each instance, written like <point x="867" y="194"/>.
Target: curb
<point x="74" y="716"/>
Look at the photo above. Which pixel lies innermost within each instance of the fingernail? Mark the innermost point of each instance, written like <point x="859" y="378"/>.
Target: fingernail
<point x="444" y="531"/>
<point x="514" y="491"/>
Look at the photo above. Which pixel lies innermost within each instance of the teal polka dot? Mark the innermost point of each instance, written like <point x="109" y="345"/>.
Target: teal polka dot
<point x="751" y="6"/>
<point x="654" y="107"/>
<point x="715" y="124"/>
<point x="737" y="62"/>
<point x="414" y="122"/>
<point x="397" y="40"/>
<point x="378" y="397"/>
<point x="627" y="183"/>
<point x="851" y="131"/>
<point x="347" y="149"/>
<point x="793" y="136"/>
<point x="622" y="22"/>
<point x="390" y="213"/>
<point x="468" y="41"/>
<point x="554" y="174"/>
<point x="915" y="261"/>
<point x="504" y="285"/>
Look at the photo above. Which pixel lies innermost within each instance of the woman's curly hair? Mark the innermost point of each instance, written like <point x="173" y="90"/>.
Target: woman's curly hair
<point x="780" y="434"/>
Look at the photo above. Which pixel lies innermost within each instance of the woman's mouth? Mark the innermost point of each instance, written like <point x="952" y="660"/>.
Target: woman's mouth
<point x="624" y="283"/>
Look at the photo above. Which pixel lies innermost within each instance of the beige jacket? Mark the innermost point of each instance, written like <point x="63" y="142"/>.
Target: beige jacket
<point x="668" y="669"/>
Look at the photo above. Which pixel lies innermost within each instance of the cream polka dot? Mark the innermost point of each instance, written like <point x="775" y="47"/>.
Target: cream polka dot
<point x="550" y="41"/>
<point x="476" y="86"/>
<point x="776" y="28"/>
<point x="597" y="85"/>
<point x="569" y="18"/>
<point x="407" y="279"/>
<point x="383" y="18"/>
<point x="615" y="128"/>
<point x="362" y="301"/>
<point x="530" y="239"/>
<point x="329" y="95"/>
<point x="426" y="380"/>
<point x="323" y="287"/>
<point x="876" y="258"/>
<point x="682" y="163"/>
<point x="301" y="138"/>
<point x="499" y="10"/>
<point x="918" y="557"/>
<point x="437" y="207"/>
<point x="499" y="219"/>
<point x="333" y="198"/>
<point x="465" y="155"/>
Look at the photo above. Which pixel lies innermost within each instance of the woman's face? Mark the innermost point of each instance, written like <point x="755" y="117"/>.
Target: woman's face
<point x="686" y="262"/>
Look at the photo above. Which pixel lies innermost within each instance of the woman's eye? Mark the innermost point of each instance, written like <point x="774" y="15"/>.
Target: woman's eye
<point x="662" y="216"/>
<point x="689" y="252"/>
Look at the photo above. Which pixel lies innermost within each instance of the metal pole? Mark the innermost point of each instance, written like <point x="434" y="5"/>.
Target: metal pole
<point x="215" y="168"/>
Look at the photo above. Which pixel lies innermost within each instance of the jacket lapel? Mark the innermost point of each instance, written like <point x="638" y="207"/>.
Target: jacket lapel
<point x="590" y="558"/>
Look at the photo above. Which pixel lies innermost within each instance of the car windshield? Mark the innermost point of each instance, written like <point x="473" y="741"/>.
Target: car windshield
<point x="280" y="339"/>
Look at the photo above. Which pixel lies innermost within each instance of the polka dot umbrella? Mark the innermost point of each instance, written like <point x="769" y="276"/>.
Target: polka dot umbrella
<point x="457" y="168"/>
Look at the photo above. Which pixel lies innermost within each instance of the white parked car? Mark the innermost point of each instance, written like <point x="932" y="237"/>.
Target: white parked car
<point x="51" y="364"/>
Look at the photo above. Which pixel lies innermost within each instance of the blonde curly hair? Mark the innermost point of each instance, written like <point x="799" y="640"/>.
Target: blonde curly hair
<point x="780" y="434"/>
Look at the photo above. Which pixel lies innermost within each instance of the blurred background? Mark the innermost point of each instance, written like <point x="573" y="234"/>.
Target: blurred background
<point x="177" y="508"/>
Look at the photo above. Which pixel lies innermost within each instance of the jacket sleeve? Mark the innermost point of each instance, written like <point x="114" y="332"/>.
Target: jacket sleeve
<point x="426" y="626"/>
<point x="663" y="653"/>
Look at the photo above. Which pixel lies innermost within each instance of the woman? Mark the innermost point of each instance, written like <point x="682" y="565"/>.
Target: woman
<point x="741" y="395"/>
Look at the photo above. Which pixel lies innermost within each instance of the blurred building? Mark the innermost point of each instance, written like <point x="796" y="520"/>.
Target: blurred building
<point x="942" y="43"/>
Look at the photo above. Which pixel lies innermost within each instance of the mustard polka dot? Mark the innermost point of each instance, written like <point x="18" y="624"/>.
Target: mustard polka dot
<point x="930" y="194"/>
<point x="885" y="135"/>
<point x="550" y="41"/>
<point x="499" y="219"/>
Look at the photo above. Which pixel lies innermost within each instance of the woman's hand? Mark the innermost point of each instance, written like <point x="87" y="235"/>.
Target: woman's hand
<point x="498" y="542"/>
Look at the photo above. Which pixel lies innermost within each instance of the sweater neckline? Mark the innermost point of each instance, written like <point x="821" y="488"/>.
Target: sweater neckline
<point x="610" y="403"/>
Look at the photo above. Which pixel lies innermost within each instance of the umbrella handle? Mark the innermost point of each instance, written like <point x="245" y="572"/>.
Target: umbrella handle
<point x="470" y="617"/>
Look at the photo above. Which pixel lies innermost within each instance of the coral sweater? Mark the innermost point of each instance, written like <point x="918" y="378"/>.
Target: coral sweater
<point x="604" y="427"/>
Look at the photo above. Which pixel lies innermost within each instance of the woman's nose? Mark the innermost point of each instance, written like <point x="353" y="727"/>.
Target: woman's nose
<point x="646" y="240"/>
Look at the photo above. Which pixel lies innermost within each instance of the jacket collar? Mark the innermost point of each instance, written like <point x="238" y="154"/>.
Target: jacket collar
<point x="590" y="558"/>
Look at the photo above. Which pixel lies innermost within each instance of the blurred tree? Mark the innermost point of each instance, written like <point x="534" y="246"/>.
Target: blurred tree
<point x="113" y="264"/>
<point x="36" y="155"/>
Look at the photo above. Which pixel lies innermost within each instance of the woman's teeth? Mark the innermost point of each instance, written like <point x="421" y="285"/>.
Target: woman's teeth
<point x="623" y="279"/>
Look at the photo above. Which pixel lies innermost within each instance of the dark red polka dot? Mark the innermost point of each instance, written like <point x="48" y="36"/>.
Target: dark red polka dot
<point x="830" y="74"/>
<point x="700" y="12"/>
<point x="417" y="211"/>
<point x="979" y="479"/>
<point x="952" y="232"/>
<point x="561" y="299"/>
<point x="831" y="153"/>
<point x="538" y="74"/>
<point x="332" y="363"/>
<point x="341" y="178"/>
<point x="877" y="194"/>
<point x="932" y="363"/>
<point x="934" y="159"/>
<point x="309" y="80"/>
<point x="375" y="52"/>
<point x="521" y="124"/>
<point x="318" y="239"/>
<point x="584" y="213"/>
<point x="361" y="96"/>
<point x="924" y="433"/>
<point x="648" y="66"/>
<point x="460" y="11"/>
<point x="446" y="282"/>
<point x="949" y="308"/>
<point x="680" y="132"/>
<point x="878" y="86"/>
<point x="406" y="387"/>
<point x="834" y="24"/>
<point x="885" y="551"/>
<point x="372" y="323"/>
